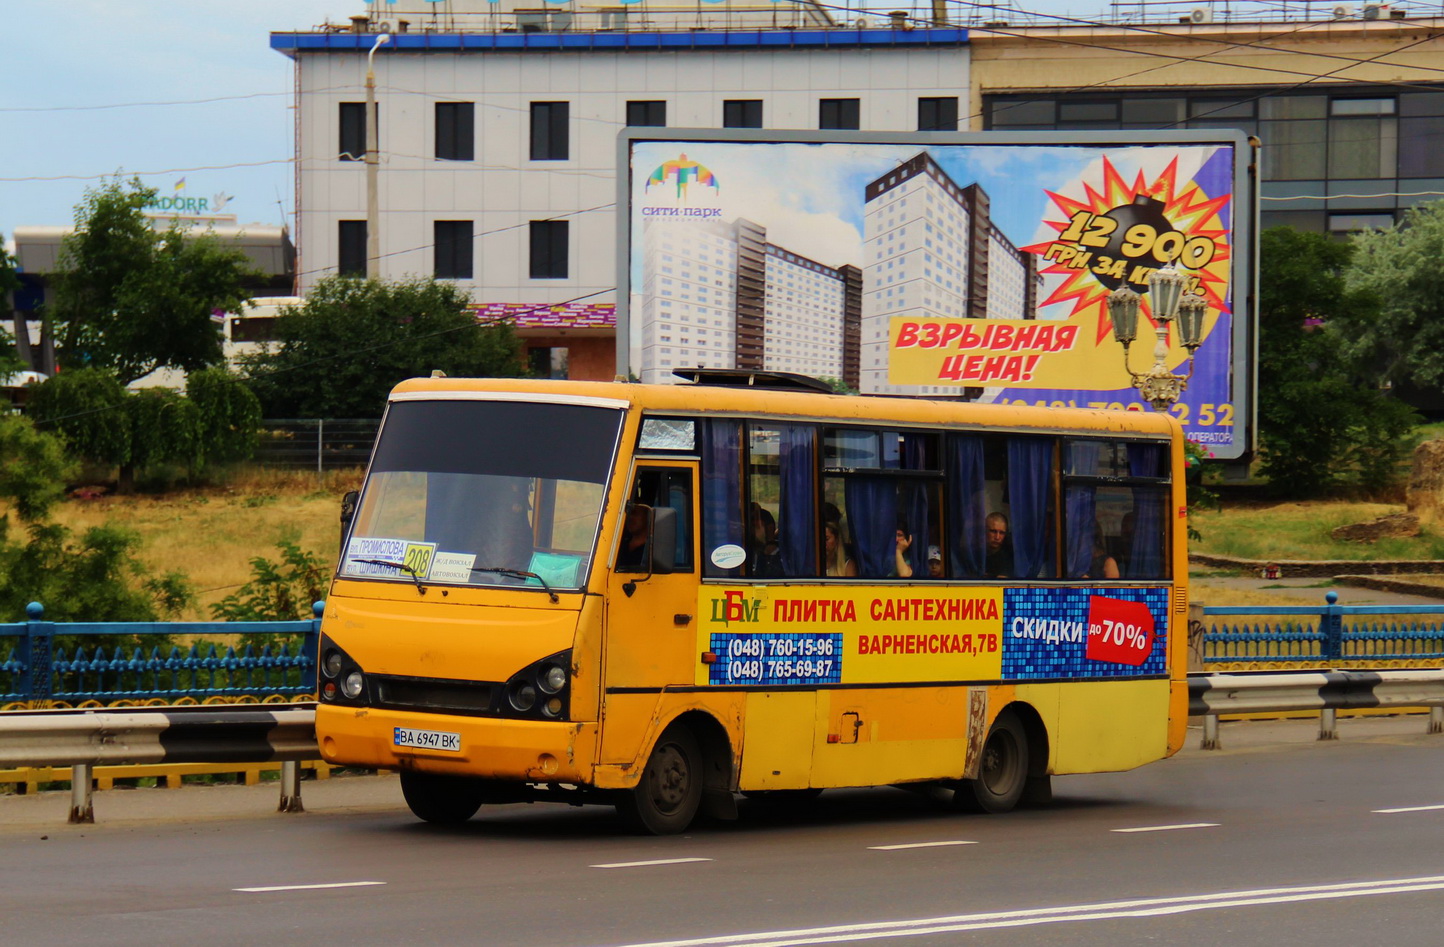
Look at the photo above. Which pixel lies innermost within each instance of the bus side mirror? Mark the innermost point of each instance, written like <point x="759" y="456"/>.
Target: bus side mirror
<point x="348" y="513"/>
<point x="663" y="544"/>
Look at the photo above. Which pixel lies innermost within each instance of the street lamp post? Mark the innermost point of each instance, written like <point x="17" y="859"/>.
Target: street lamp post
<point x="1159" y="386"/>
<point x="373" y="165"/>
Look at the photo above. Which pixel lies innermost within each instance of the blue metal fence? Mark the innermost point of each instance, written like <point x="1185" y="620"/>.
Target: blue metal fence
<point x="1398" y="633"/>
<point x="78" y="662"/>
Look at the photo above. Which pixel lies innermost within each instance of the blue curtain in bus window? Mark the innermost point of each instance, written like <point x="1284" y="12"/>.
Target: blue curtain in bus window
<point x="968" y="507"/>
<point x="797" y="531"/>
<point x="915" y="507"/>
<point x="1145" y="559"/>
<point x="721" y="491"/>
<point x="872" y="510"/>
<point x="1080" y="510"/>
<point x="1030" y="469"/>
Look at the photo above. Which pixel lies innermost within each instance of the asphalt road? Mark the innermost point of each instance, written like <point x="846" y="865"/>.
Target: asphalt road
<point x="1276" y="839"/>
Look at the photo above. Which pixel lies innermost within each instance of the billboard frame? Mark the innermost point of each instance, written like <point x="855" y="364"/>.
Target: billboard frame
<point x="1243" y="270"/>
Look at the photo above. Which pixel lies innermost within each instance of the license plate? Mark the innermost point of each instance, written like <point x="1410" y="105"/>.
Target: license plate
<point x="428" y="739"/>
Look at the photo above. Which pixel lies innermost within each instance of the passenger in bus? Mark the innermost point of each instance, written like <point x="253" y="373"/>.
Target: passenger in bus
<point x="633" y="554"/>
<point x="835" y="551"/>
<point x="1101" y="565"/>
<point x="764" y="560"/>
<point x="935" y="562"/>
<point x="999" y="561"/>
<point x="902" y="565"/>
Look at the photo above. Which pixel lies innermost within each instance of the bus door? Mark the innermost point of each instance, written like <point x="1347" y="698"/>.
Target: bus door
<point x="651" y="639"/>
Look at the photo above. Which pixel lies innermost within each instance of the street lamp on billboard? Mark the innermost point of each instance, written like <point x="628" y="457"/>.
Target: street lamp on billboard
<point x="1159" y="386"/>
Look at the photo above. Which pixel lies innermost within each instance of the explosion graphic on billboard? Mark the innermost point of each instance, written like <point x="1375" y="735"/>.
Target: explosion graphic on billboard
<point x="1122" y="233"/>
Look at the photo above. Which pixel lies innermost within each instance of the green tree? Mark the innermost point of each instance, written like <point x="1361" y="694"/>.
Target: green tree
<point x="132" y="299"/>
<point x="341" y="351"/>
<point x="1323" y="423"/>
<point x="94" y="578"/>
<point x="229" y="412"/>
<point x="217" y="421"/>
<point x="33" y="467"/>
<point x="1402" y="343"/>
<point x="277" y="591"/>
<point x="87" y="407"/>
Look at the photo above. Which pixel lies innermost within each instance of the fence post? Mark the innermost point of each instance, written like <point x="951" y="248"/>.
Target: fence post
<point x="1331" y="627"/>
<point x="320" y="441"/>
<point x="290" y="787"/>
<point x="36" y="654"/>
<point x="1328" y="724"/>
<point x="82" y="809"/>
<point x="1210" y="732"/>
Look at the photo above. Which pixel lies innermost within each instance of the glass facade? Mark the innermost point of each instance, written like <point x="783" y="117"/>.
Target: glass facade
<point x="1332" y="160"/>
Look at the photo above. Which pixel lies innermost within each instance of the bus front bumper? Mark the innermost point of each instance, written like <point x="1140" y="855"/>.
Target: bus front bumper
<point x="487" y="747"/>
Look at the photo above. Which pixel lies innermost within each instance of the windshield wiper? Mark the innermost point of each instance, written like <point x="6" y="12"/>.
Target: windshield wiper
<point x="415" y="576"/>
<point x="518" y="574"/>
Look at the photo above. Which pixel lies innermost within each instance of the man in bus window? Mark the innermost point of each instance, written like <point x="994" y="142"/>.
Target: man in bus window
<point x="935" y="562"/>
<point x="999" y="561"/>
<point x="633" y="555"/>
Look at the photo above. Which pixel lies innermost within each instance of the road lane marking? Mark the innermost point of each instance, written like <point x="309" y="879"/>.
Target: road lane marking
<point x="1411" y="809"/>
<point x="338" y="884"/>
<point x="1169" y="828"/>
<point x="1111" y="910"/>
<point x="898" y="848"/>
<point x="647" y="864"/>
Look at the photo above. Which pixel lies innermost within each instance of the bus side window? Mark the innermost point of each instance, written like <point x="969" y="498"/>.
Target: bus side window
<point x="670" y="489"/>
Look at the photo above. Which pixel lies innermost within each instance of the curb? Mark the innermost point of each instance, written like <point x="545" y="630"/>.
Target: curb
<point x="1391" y="585"/>
<point x="1326" y="568"/>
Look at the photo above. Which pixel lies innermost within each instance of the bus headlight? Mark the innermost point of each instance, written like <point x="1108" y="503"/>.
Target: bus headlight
<point x="522" y="697"/>
<point x="553" y="679"/>
<point x="331" y="665"/>
<point x="353" y="685"/>
<point x="542" y="689"/>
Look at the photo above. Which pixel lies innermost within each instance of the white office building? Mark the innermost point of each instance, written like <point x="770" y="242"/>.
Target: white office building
<point x="497" y="133"/>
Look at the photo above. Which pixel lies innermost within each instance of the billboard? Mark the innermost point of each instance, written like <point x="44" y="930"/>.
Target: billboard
<point x="972" y="265"/>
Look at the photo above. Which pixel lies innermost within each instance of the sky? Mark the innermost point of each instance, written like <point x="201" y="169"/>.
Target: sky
<point x="96" y="87"/>
<point x="80" y="78"/>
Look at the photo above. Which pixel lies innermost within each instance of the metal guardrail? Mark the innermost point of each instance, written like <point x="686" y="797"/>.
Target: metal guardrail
<point x="1405" y="638"/>
<point x="249" y="733"/>
<point x="1325" y="691"/>
<point x="83" y="739"/>
<point x="37" y="668"/>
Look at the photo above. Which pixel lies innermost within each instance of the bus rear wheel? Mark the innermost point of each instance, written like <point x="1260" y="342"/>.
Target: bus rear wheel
<point x="1002" y="772"/>
<point x="444" y="800"/>
<point x="666" y="799"/>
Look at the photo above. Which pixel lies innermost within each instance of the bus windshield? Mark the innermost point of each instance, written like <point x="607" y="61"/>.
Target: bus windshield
<point x="484" y="493"/>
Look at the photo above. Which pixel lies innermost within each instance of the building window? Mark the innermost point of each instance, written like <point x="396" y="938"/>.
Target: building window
<point x="351" y="247"/>
<point x="647" y="113"/>
<point x="455" y="131"/>
<point x="549" y="122"/>
<point x="742" y="113"/>
<point x="839" y="113"/>
<point x="549" y="249"/>
<point x="453" y="249"/>
<point x="1363" y="139"/>
<point x="938" y="115"/>
<point x="353" y="131"/>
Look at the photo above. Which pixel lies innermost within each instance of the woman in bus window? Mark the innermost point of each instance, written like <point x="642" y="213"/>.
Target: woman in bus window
<point x="835" y="551"/>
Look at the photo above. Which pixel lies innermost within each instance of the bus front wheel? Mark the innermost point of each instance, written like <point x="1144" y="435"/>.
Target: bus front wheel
<point x="667" y="797"/>
<point x="1002" y="772"/>
<point x="445" y="800"/>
